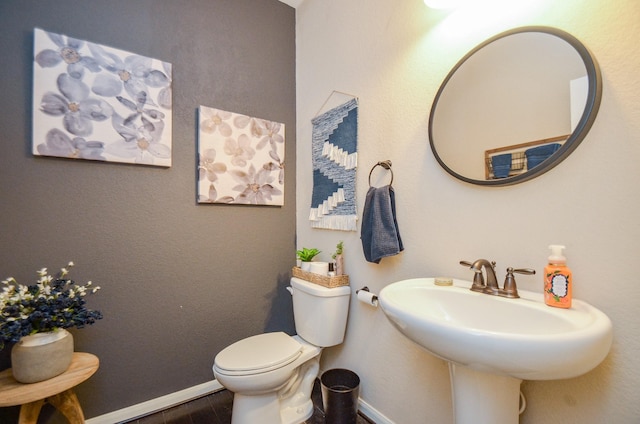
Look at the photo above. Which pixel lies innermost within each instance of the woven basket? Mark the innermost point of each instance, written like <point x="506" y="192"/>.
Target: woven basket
<point x="322" y="280"/>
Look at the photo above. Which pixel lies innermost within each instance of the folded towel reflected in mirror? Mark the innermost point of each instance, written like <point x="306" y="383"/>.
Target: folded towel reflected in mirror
<point x="537" y="155"/>
<point x="501" y="165"/>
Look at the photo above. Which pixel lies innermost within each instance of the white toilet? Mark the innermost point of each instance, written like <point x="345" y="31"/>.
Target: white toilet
<point x="272" y="374"/>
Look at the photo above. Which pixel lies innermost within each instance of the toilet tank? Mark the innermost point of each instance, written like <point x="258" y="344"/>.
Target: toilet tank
<point x="320" y="313"/>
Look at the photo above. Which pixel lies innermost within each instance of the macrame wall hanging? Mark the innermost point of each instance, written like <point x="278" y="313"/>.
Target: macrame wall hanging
<point x="335" y="158"/>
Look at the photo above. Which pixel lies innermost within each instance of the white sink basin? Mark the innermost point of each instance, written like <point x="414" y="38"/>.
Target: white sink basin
<point x="521" y="338"/>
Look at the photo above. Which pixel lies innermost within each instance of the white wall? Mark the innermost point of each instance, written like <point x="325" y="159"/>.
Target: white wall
<point x="393" y="55"/>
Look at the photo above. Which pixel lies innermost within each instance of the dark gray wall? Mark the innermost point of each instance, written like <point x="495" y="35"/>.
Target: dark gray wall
<point x="180" y="281"/>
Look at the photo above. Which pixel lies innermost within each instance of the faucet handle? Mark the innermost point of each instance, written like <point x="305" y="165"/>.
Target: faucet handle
<point x="478" y="280"/>
<point x="527" y="271"/>
<point x="510" y="290"/>
<point x="470" y="264"/>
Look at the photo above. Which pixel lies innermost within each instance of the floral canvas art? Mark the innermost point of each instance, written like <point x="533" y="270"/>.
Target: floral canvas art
<point x="99" y="103"/>
<point x="241" y="159"/>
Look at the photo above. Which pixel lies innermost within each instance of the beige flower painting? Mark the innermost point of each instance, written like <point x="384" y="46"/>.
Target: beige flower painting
<point x="240" y="159"/>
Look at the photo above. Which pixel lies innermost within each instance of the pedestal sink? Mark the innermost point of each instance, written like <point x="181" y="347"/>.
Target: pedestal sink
<point x="493" y="343"/>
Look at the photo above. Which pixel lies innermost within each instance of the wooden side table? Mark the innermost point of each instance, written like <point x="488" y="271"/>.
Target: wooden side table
<point x="58" y="391"/>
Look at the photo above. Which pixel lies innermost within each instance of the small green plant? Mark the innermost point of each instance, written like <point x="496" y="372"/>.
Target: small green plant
<point x="307" y="255"/>
<point x="338" y="250"/>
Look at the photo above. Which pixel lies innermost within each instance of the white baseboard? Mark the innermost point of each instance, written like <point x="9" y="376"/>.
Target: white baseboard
<point x="372" y="413"/>
<point x="176" y="398"/>
<point x="157" y="404"/>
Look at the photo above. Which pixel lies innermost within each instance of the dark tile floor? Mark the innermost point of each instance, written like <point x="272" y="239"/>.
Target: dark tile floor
<point x="216" y="409"/>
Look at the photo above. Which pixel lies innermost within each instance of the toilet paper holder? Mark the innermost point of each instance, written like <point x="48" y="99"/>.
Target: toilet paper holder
<point x="365" y="288"/>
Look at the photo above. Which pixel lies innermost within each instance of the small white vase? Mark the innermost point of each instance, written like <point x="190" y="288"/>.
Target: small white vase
<point x="305" y="266"/>
<point x="41" y="356"/>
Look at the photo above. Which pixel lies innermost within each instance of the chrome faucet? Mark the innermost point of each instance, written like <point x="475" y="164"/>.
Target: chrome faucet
<point x="491" y="287"/>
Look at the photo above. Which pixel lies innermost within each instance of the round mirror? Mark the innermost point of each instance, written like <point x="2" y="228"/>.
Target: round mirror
<point x="515" y="106"/>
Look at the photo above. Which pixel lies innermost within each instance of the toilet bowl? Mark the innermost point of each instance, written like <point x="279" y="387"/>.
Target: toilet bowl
<point x="272" y="374"/>
<point x="276" y="386"/>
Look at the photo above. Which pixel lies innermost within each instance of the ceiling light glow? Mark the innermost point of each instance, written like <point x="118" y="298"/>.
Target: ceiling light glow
<point x="442" y="4"/>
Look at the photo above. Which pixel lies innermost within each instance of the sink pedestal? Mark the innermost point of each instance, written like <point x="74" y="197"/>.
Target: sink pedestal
<point x="484" y="398"/>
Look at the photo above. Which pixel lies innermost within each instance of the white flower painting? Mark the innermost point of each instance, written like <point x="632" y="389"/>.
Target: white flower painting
<point x="241" y="159"/>
<point x="99" y="103"/>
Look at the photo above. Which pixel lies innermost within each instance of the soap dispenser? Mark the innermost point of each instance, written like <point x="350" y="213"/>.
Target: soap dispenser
<point x="557" y="279"/>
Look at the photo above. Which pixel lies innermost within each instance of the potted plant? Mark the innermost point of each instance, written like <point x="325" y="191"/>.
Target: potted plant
<point x="338" y="259"/>
<point x="36" y="317"/>
<point x="306" y="255"/>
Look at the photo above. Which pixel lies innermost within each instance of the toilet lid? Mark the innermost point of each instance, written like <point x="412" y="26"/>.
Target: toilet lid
<point x="262" y="353"/>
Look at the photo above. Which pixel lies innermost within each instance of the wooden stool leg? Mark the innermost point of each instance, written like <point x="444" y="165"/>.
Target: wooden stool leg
<point x="29" y="412"/>
<point x="67" y="403"/>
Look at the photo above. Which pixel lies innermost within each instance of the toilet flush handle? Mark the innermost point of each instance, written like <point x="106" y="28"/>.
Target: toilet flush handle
<point x="290" y="290"/>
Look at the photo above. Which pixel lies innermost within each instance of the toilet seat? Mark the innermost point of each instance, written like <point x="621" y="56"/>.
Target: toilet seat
<point x="258" y="354"/>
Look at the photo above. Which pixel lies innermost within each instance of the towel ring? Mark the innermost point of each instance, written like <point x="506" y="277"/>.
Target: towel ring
<point x="386" y="164"/>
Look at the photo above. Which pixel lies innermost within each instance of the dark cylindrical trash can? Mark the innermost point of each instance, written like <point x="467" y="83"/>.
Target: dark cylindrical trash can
<point x="340" y="391"/>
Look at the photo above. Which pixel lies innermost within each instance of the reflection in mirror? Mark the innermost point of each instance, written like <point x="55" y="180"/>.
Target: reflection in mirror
<point x="515" y="106"/>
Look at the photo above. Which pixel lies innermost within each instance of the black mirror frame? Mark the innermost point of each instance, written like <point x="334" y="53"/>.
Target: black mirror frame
<point x="594" y="97"/>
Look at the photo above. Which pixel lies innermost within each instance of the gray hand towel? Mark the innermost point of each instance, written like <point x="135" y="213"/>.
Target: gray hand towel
<point x="379" y="233"/>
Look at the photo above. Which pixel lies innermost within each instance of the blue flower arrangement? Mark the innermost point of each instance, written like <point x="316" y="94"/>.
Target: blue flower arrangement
<point x="50" y="304"/>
